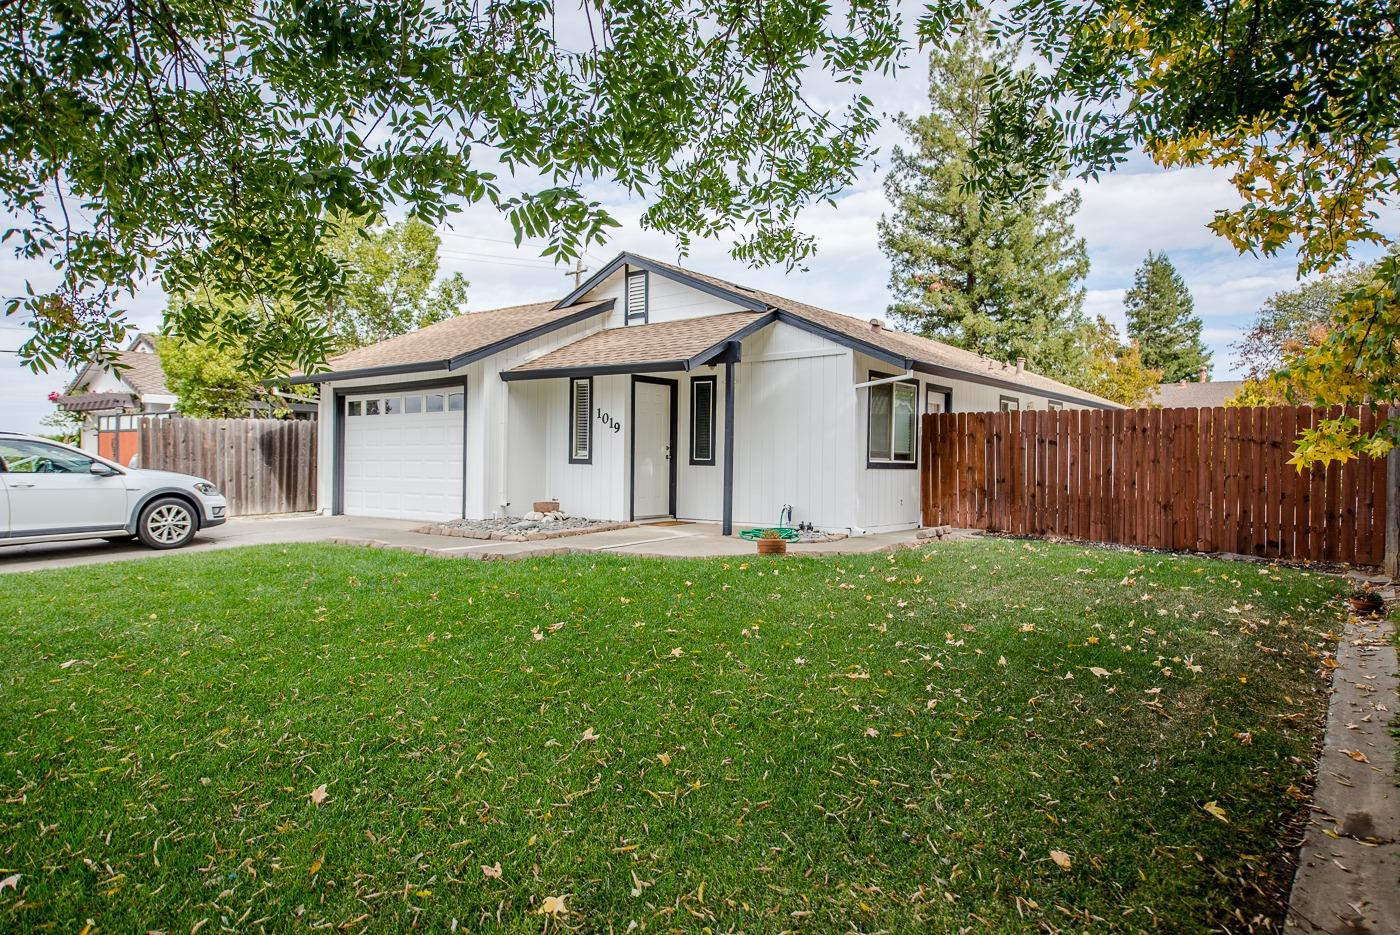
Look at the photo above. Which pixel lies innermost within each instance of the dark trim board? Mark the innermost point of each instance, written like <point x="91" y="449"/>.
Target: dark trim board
<point x="338" y="429"/>
<point x="673" y="385"/>
<point x="969" y="376"/>
<point x="602" y="370"/>
<point x="840" y="337"/>
<point x="732" y="358"/>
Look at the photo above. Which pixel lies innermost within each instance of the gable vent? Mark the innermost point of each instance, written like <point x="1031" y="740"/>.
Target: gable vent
<point x="638" y="289"/>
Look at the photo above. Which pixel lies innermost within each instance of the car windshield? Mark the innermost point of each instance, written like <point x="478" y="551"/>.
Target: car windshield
<point x="19" y="456"/>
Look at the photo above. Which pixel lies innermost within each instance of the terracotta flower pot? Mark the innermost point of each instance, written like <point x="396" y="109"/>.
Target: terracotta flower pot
<point x="772" y="546"/>
<point x="1367" y="605"/>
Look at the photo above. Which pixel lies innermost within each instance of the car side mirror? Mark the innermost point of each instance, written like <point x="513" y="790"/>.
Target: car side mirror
<point x="100" y="469"/>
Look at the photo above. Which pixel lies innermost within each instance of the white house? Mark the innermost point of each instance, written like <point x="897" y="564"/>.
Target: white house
<point x="113" y="398"/>
<point x="652" y="391"/>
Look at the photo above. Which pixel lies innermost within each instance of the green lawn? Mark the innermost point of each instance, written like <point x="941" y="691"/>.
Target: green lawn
<point x="878" y="743"/>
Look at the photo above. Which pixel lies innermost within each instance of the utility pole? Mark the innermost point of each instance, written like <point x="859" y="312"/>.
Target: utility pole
<point x="577" y="272"/>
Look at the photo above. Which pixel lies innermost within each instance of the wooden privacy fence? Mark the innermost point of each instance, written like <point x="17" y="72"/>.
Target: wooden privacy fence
<point x="1212" y="480"/>
<point x="260" y="465"/>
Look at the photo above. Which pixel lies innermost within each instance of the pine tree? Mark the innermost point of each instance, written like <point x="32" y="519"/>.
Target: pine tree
<point x="1161" y="319"/>
<point x="1002" y="280"/>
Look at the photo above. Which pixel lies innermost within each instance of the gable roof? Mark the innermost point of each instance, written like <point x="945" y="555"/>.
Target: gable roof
<point x="667" y="345"/>
<point x="456" y="341"/>
<point x="898" y="348"/>
<point x="140" y="370"/>
<point x="1194" y="394"/>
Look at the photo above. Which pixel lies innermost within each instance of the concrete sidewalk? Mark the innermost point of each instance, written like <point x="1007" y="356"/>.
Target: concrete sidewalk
<point x="1348" y="878"/>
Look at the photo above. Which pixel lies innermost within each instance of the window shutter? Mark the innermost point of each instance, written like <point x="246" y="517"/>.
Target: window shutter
<point x="637" y="296"/>
<point x="702" y="421"/>
<point x="581" y="422"/>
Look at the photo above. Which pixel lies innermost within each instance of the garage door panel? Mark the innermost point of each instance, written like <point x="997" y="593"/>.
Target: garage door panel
<point x="402" y="463"/>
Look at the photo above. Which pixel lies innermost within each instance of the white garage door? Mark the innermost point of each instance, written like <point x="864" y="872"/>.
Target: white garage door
<point x="403" y="454"/>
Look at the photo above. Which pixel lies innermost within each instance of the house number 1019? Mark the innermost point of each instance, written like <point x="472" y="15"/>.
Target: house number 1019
<point x="609" y="422"/>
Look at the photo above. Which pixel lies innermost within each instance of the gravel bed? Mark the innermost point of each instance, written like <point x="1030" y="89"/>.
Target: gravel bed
<point x="522" y="529"/>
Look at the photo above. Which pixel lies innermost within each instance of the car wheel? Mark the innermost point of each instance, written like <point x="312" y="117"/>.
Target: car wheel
<point x="166" y="523"/>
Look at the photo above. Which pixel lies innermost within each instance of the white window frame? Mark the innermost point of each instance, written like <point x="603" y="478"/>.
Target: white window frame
<point x="893" y="388"/>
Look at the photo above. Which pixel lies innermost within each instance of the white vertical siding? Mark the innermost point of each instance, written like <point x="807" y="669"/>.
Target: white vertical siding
<point x="667" y="300"/>
<point x="793" y="430"/>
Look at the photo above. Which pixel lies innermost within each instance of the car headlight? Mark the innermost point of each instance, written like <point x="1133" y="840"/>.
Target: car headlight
<point x="209" y="490"/>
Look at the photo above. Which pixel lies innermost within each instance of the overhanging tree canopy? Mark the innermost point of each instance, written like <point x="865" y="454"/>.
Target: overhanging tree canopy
<point x="207" y="142"/>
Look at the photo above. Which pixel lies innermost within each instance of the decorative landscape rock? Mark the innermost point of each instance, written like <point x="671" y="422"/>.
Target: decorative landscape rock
<point x="531" y="527"/>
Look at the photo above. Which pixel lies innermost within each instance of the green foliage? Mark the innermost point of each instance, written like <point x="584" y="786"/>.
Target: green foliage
<point x="389" y="288"/>
<point x="1162" y="321"/>
<point x="1295" y="100"/>
<point x="1004" y="280"/>
<point x="211" y="380"/>
<point x="637" y="735"/>
<point x="1115" y="370"/>
<point x="64" y="426"/>
<point x="1290" y="320"/>
<point x="209" y="145"/>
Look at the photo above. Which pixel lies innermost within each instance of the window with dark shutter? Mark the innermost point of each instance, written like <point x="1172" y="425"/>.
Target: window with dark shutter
<point x="702" y="420"/>
<point x="580" y="420"/>
<point x="637" y="295"/>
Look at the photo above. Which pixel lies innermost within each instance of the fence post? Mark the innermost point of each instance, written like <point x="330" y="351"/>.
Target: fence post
<point x="1392" y="513"/>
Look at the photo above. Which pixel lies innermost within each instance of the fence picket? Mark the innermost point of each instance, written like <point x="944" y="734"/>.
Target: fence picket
<point x="1204" y="479"/>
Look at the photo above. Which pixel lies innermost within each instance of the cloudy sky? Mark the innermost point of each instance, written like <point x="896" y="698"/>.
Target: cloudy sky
<point x="1124" y="215"/>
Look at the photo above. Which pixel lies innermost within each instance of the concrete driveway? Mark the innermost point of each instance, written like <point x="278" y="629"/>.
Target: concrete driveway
<point x="241" y="530"/>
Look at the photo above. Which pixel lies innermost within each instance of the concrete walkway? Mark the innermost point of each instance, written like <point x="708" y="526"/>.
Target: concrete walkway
<point x="1348" y="878"/>
<point x="688" y="540"/>
<point x="691" y="540"/>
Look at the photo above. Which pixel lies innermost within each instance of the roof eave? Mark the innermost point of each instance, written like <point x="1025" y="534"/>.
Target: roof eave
<point x="596" y="370"/>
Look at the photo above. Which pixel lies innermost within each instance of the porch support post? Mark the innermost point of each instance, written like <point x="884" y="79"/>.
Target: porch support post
<point x="731" y="356"/>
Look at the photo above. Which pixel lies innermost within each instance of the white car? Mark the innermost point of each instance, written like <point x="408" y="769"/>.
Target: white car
<point x="50" y="492"/>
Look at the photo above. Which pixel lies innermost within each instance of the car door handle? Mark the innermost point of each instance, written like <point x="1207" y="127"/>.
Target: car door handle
<point x="17" y="486"/>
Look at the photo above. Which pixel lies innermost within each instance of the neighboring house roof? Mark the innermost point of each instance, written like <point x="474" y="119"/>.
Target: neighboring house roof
<point x="457" y="341"/>
<point x="1194" y="394"/>
<point x="138" y="369"/>
<point x="141" y="370"/>
<point x="668" y="345"/>
<point x="898" y="347"/>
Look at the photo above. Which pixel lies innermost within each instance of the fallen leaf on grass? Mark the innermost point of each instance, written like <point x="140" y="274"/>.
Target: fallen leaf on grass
<point x="588" y="736"/>
<point x="493" y="873"/>
<point x="11" y="882"/>
<point x="553" y="906"/>
<point x="871" y="732"/>
<point x="1215" y="811"/>
<point x="665" y="758"/>
<point x="1061" y="859"/>
<point x="1100" y="672"/>
<point x="318" y="795"/>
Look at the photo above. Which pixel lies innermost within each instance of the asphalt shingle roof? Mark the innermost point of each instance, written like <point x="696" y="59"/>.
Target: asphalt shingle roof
<point x="902" y="343"/>
<point x="1192" y="394"/>
<point x="661" y="342"/>
<point x="455" y="336"/>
